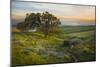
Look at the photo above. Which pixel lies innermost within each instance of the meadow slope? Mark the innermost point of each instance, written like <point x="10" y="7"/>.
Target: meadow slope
<point x="33" y="48"/>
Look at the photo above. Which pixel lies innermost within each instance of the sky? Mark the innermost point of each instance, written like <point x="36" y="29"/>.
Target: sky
<point x="67" y="13"/>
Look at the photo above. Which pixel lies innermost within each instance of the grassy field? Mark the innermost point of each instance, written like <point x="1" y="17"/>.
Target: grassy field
<point x="33" y="48"/>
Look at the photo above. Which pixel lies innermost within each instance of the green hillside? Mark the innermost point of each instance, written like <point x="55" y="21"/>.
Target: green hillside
<point x="33" y="48"/>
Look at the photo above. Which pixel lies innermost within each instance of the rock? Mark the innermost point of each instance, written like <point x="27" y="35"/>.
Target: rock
<point x="67" y="43"/>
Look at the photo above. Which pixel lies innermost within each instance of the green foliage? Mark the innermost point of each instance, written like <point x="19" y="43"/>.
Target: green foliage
<point x="45" y="22"/>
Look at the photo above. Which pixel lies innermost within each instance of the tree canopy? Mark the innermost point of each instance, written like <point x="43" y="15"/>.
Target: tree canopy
<point x="44" y="22"/>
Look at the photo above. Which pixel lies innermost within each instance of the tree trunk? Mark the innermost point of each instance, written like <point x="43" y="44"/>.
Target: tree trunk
<point x="46" y="29"/>
<point x="45" y="36"/>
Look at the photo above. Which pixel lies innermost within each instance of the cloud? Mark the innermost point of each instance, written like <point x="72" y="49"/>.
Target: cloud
<point x="63" y="11"/>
